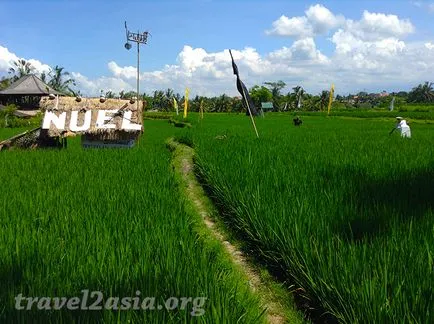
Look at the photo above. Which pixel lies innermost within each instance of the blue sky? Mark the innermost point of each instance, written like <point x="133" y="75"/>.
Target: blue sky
<point x="85" y="36"/>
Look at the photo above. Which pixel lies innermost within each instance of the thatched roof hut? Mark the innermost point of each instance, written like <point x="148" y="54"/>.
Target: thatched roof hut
<point x="28" y="85"/>
<point x="26" y="92"/>
<point x="126" y="112"/>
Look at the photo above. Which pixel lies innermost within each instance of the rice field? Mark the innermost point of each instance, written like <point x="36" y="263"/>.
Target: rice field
<point x="6" y="133"/>
<point x="110" y="221"/>
<point x="337" y="209"/>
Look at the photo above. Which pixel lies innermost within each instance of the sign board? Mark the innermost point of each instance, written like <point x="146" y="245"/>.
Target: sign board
<point x="139" y="38"/>
<point x="78" y="121"/>
<point x="86" y="143"/>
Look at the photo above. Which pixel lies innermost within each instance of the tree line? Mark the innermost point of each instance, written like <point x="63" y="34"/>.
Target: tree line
<point x="296" y="99"/>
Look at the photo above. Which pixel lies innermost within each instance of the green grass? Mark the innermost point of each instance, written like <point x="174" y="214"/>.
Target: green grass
<point x="6" y="133"/>
<point x="336" y="207"/>
<point x="369" y="113"/>
<point x="113" y="221"/>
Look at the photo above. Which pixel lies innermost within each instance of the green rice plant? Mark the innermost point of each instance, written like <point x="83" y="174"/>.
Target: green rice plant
<point x="421" y="114"/>
<point x="336" y="207"/>
<point x="6" y="133"/>
<point x="112" y="221"/>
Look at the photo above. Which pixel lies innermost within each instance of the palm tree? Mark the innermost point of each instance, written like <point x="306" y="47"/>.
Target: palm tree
<point x="275" y="88"/>
<point x="223" y="104"/>
<point x="110" y="94"/>
<point x="422" y="93"/>
<point x="298" y="90"/>
<point x="158" y="99"/>
<point x="324" y="98"/>
<point x="20" y="69"/>
<point x="60" y="79"/>
<point x="44" y="77"/>
<point x="168" y="99"/>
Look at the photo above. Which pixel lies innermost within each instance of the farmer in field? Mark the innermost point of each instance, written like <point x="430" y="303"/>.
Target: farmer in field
<point x="402" y="127"/>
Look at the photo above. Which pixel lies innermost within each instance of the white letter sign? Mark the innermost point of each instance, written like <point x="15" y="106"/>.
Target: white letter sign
<point x="103" y="118"/>
<point x="73" y="124"/>
<point x="58" y="121"/>
<point x="127" y="124"/>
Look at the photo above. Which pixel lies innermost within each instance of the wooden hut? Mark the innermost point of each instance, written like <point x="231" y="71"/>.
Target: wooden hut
<point x="26" y="92"/>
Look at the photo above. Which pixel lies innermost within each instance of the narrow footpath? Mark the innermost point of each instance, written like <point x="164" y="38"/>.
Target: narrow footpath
<point x="183" y="166"/>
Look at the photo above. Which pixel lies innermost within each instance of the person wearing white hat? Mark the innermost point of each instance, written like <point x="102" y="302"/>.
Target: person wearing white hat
<point x="402" y="127"/>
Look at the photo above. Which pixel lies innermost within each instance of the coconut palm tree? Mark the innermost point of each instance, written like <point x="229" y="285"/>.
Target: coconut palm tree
<point x="110" y="94"/>
<point x="324" y="97"/>
<point x="158" y="99"/>
<point x="60" y="79"/>
<point x="298" y="90"/>
<point x="20" y="69"/>
<point x="44" y="77"/>
<point x="422" y="93"/>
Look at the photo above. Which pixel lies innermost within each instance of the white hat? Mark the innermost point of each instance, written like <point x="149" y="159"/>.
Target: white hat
<point x="399" y="117"/>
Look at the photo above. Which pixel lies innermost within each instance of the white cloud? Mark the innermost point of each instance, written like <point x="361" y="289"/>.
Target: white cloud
<point x="374" y="26"/>
<point x="322" y="19"/>
<point x="429" y="46"/>
<point x="7" y="58"/>
<point x="377" y="65"/>
<point x="348" y="43"/>
<point x="424" y="5"/>
<point x="39" y="66"/>
<point x="302" y="51"/>
<point x="93" y="87"/>
<point x="203" y="72"/>
<point x="318" y="20"/>
<point x="128" y="72"/>
<point x="293" y="27"/>
<point x="367" y="51"/>
<point x="371" y="43"/>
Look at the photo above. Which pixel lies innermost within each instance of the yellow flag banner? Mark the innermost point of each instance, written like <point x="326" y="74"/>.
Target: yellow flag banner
<point x="175" y="105"/>
<point x="201" y="109"/>
<point x="187" y="91"/>
<point x="332" y="91"/>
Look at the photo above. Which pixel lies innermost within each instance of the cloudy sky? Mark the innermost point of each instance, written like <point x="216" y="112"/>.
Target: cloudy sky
<point x="357" y="45"/>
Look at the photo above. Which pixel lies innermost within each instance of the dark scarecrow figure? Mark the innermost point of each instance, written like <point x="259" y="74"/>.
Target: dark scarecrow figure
<point x="247" y="100"/>
<point x="297" y="121"/>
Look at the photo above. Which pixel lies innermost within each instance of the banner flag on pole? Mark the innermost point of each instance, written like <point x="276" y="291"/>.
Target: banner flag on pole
<point x="187" y="91"/>
<point x="175" y="105"/>
<point x="251" y="109"/>
<point x="201" y="109"/>
<point x="243" y="90"/>
<point x="332" y="91"/>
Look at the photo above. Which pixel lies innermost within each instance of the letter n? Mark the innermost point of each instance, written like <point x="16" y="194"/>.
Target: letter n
<point x="58" y="121"/>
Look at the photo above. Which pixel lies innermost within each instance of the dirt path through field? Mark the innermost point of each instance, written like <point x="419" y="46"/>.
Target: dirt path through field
<point x="183" y="165"/>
